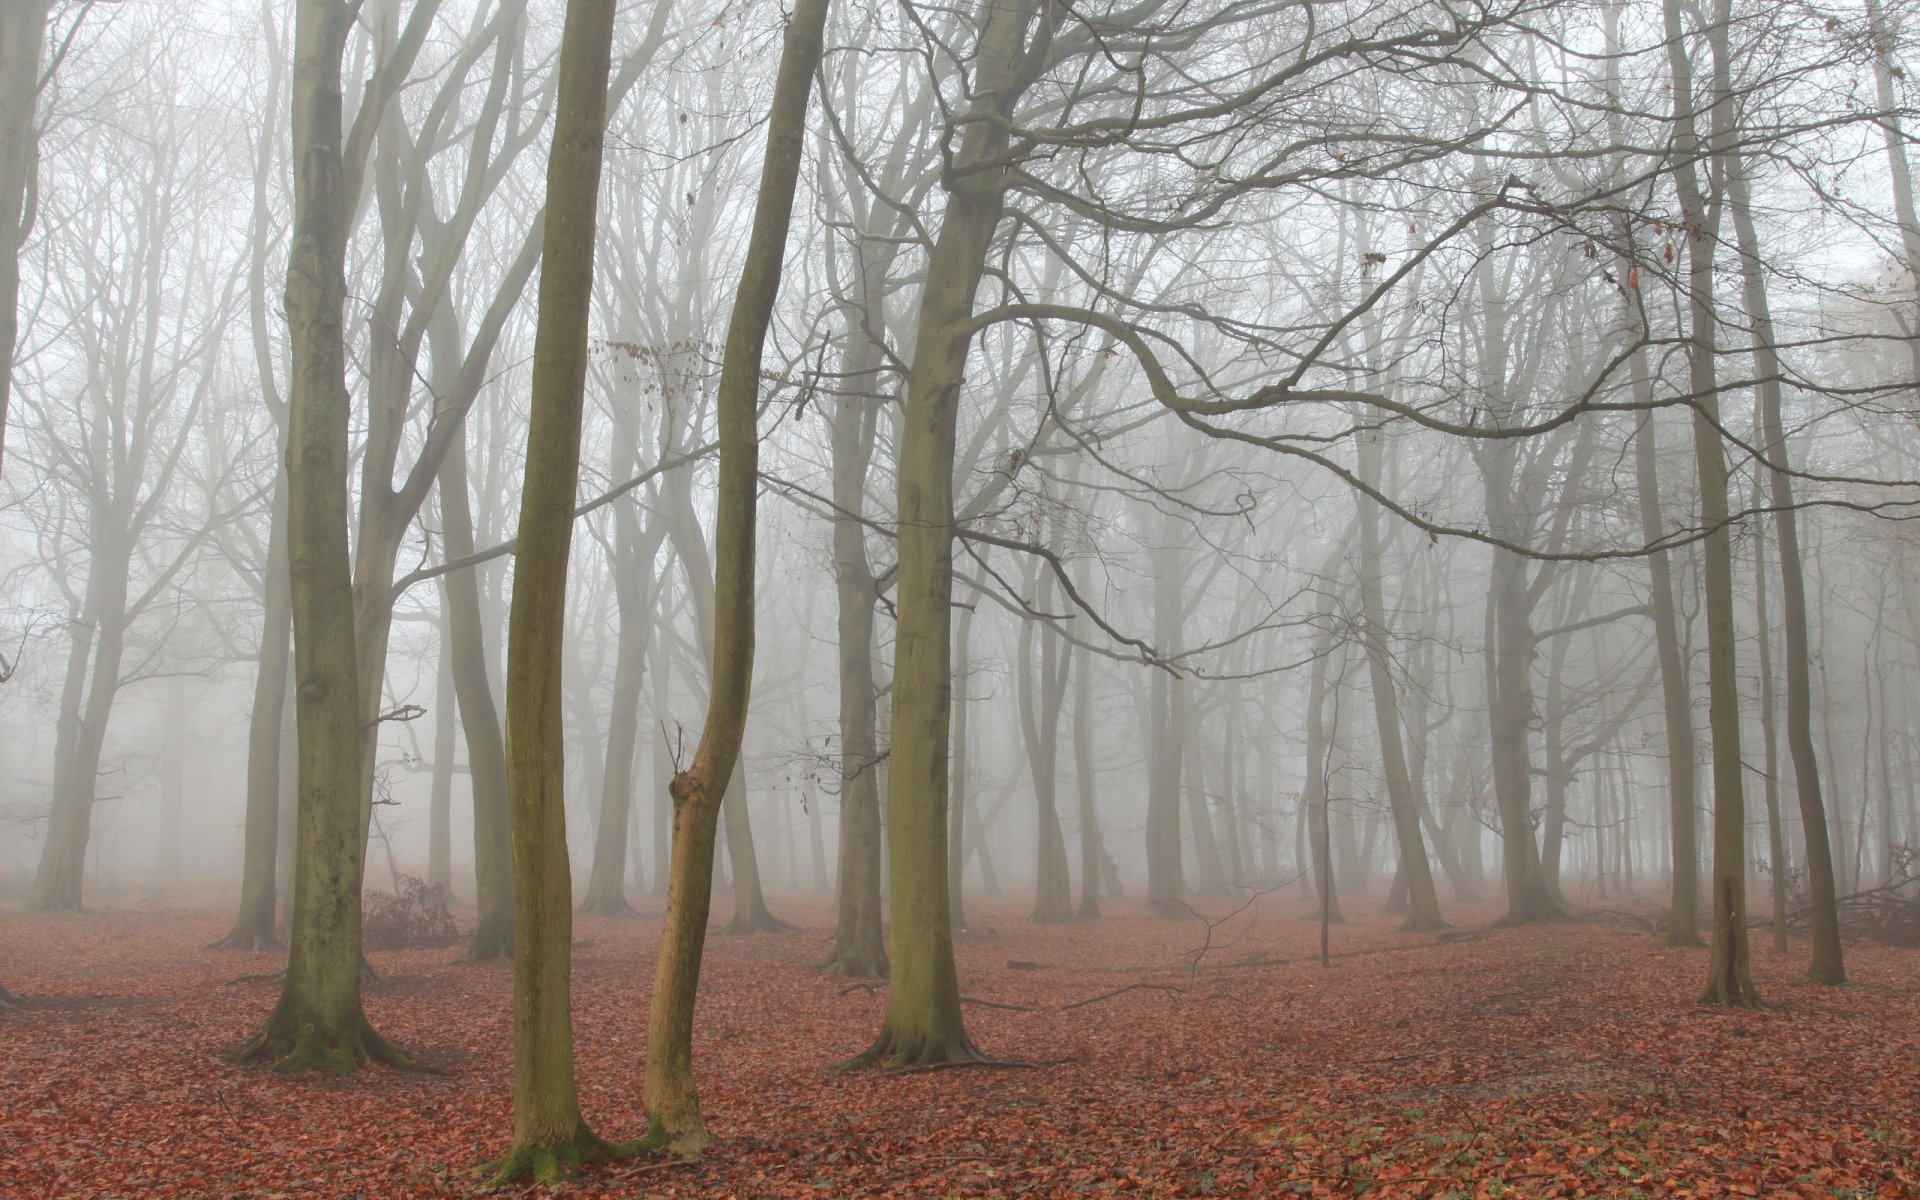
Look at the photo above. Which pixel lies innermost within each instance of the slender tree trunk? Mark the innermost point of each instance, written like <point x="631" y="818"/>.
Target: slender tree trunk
<point x="173" y="782"/>
<point x="1423" y="903"/>
<point x="1092" y="852"/>
<point x="253" y="928"/>
<point x="1828" y="964"/>
<point x="1313" y="792"/>
<point x="446" y="728"/>
<point x="1728" y="978"/>
<point x="479" y="721"/>
<point x="633" y="559"/>
<point x="673" y="1104"/>
<point x="550" y="1138"/>
<point x="1776" y="839"/>
<point x="1039" y="703"/>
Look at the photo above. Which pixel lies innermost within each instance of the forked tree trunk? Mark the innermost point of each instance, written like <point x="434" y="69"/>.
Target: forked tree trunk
<point x="318" y="1022"/>
<point x="923" y="1025"/>
<point x="550" y="1138"/>
<point x="1728" y="978"/>
<point x="673" y="1103"/>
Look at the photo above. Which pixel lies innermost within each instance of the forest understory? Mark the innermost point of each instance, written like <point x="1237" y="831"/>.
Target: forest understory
<point x="1556" y="1060"/>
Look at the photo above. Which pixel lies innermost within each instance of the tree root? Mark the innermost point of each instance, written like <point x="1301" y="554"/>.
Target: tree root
<point x="487" y="945"/>
<point x="9" y="1002"/>
<point x="893" y="1053"/>
<point x="552" y="1162"/>
<point x="756" y="922"/>
<point x="852" y="965"/>
<point x="293" y="1051"/>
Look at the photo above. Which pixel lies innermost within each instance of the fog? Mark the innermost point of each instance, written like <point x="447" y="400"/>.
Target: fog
<point x="1409" y="454"/>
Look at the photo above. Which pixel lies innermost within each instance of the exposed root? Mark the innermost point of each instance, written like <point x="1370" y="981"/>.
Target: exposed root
<point x="490" y="943"/>
<point x="893" y="1053"/>
<point x="9" y="1002"/>
<point x="761" y="921"/>
<point x="850" y="964"/>
<point x="688" y="1139"/>
<point x="553" y="1162"/>
<point x="292" y="1051"/>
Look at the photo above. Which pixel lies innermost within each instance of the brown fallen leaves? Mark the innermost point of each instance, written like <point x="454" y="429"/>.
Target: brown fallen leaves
<point x="1558" y="1061"/>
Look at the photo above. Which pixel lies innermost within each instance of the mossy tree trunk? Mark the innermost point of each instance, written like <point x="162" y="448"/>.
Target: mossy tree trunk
<point x="318" y="1022"/>
<point x="550" y="1138"/>
<point x="673" y="1102"/>
<point x="923" y="1024"/>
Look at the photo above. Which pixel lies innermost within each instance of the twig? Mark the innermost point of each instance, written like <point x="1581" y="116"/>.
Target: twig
<point x="1169" y="988"/>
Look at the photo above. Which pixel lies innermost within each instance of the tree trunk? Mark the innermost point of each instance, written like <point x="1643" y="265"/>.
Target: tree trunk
<point x="1828" y="964"/>
<point x="479" y="721"/>
<point x="633" y="556"/>
<point x="1092" y="853"/>
<point x="1039" y="702"/>
<point x="923" y="1025"/>
<point x="959" y="824"/>
<point x="673" y="1104"/>
<point x="1313" y="792"/>
<point x="253" y="928"/>
<point x="23" y="25"/>
<point x="318" y="1022"/>
<point x="1728" y="978"/>
<point x="1423" y="903"/>
<point x="446" y="727"/>
<point x="550" y="1138"/>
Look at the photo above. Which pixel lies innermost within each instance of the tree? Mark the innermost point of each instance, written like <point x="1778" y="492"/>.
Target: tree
<point x="318" y="1023"/>
<point x="673" y="1103"/>
<point x="550" y="1138"/>
<point x="23" y="26"/>
<point x="1728" y="978"/>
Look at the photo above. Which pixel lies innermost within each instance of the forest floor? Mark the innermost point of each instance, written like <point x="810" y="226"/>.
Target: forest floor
<point x="1566" y="1060"/>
